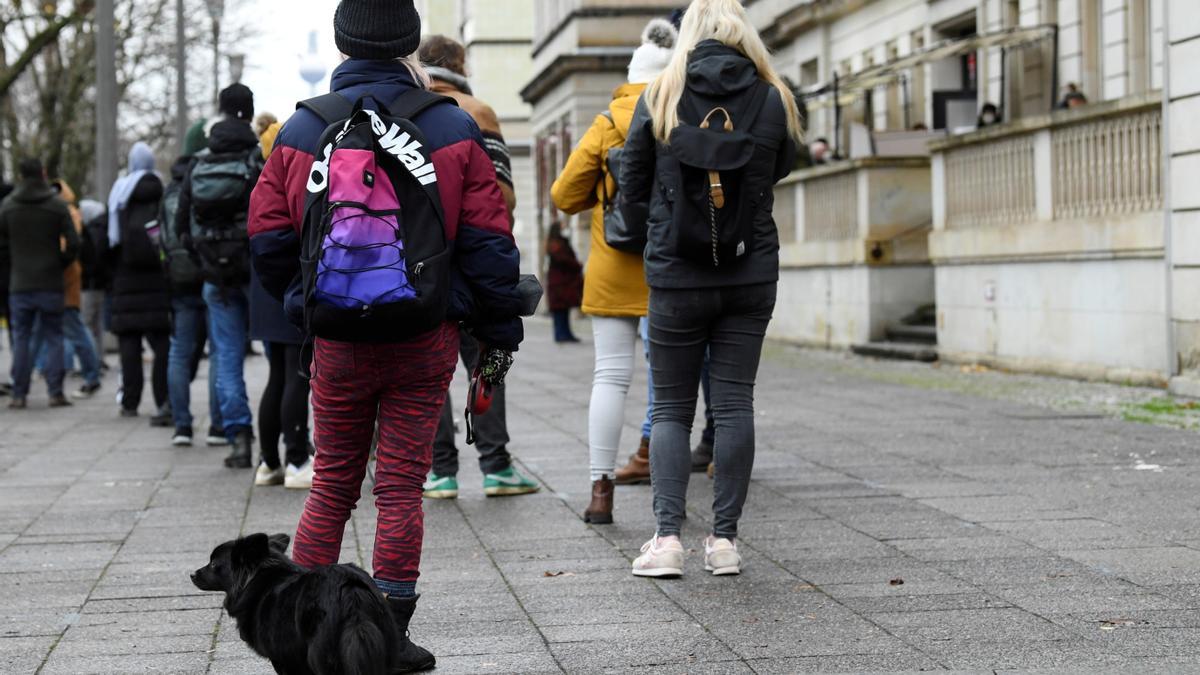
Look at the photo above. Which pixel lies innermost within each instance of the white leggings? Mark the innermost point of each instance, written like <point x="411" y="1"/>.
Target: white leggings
<point x="616" y="343"/>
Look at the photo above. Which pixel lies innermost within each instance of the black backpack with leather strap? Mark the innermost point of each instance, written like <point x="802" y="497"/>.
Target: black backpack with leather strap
<point x="720" y="186"/>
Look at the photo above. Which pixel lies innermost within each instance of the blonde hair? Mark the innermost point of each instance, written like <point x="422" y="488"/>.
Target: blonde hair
<point x="726" y="22"/>
<point x="413" y="63"/>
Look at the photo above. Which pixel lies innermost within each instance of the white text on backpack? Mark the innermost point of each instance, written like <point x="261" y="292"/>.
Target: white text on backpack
<point x="405" y="148"/>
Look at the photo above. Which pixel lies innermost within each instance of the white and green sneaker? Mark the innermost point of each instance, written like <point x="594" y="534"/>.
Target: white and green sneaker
<point x="507" y="483"/>
<point x="441" y="487"/>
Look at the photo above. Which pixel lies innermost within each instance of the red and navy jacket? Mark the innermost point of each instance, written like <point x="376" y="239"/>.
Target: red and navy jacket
<point x="487" y="263"/>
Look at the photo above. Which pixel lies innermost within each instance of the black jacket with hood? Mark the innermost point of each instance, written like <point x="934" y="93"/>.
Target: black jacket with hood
<point x="717" y="75"/>
<point x="140" y="300"/>
<point x="34" y="222"/>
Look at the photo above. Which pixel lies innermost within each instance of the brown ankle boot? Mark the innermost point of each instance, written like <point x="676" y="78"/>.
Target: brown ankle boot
<point x="638" y="468"/>
<point x="599" y="512"/>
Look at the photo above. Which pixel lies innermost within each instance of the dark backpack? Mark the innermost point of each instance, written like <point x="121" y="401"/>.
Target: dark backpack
<point x="374" y="261"/>
<point x="98" y="276"/>
<point x="617" y="233"/>
<point x="221" y="186"/>
<point x="720" y="188"/>
<point x="183" y="269"/>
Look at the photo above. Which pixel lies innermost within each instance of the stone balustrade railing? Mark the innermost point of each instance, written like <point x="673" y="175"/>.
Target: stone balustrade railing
<point x="1097" y="161"/>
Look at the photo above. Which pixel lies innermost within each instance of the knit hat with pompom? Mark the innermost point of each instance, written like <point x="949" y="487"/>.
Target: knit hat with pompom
<point x="658" y="44"/>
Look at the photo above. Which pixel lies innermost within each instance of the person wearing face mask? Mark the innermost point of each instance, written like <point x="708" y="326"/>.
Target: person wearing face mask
<point x="989" y="115"/>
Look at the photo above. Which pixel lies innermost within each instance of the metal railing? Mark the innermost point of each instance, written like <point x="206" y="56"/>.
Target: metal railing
<point x="831" y="207"/>
<point x="991" y="183"/>
<point x="1108" y="166"/>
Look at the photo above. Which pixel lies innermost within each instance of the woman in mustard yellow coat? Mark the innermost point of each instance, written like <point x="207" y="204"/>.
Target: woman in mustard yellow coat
<point x="615" y="294"/>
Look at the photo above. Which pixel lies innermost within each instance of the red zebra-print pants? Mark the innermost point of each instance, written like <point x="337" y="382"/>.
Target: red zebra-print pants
<point x="404" y="386"/>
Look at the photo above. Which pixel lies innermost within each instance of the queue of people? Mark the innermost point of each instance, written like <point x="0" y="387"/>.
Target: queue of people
<point x="164" y="265"/>
<point x="374" y="269"/>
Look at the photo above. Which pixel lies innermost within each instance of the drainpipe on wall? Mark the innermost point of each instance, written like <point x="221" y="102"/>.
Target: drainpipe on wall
<point x="1172" y="359"/>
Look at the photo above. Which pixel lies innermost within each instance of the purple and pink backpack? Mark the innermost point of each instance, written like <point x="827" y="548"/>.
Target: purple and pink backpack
<point x="375" y="261"/>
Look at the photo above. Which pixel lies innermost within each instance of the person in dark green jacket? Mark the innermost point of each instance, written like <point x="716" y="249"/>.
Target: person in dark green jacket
<point x="37" y="241"/>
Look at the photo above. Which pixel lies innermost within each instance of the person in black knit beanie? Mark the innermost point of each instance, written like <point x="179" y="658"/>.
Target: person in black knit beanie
<point x="377" y="29"/>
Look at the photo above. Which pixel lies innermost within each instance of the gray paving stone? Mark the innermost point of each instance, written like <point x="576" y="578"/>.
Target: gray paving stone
<point x="909" y="661"/>
<point x="1003" y="623"/>
<point x="1144" y="566"/>
<point x="531" y="662"/>
<point x="24" y="654"/>
<point x="1016" y="535"/>
<point x="194" y="663"/>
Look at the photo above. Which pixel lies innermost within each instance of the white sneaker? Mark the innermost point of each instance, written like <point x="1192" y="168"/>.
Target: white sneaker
<point x="660" y="558"/>
<point x="721" y="556"/>
<point x="299" y="477"/>
<point x="265" y="475"/>
<point x="181" y="440"/>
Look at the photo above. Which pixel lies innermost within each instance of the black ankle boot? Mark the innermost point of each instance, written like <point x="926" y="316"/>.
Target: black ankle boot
<point x="409" y="658"/>
<point x="239" y="456"/>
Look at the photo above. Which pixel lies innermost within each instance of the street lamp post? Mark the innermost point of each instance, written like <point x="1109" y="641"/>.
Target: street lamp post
<point x="237" y="66"/>
<point x="181" y="105"/>
<point x="106" y="98"/>
<point x="216" y="11"/>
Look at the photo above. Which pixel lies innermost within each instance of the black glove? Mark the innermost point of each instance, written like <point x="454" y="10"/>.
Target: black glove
<point x="494" y="366"/>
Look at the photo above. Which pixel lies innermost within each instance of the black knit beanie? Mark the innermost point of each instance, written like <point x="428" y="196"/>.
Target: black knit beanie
<point x="377" y="29"/>
<point x="236" y="101"/>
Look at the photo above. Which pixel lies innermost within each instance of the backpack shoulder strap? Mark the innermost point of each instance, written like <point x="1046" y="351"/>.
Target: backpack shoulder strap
<point x="416" y="101"/>
<point x="333" y="107"/>
<point x="329" y="107"/>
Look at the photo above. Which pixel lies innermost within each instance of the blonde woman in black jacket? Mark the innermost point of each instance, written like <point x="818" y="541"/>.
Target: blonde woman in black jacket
<point x="710" y="138"/>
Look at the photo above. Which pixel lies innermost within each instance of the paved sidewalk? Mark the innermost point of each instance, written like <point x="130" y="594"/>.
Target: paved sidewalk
<point x="902" y="518"/>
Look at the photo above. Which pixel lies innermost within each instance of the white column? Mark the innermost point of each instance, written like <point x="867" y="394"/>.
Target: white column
<point x="1182" y="108"/>
<point x="937" y="176"/>
<point x="1043" y="175"/>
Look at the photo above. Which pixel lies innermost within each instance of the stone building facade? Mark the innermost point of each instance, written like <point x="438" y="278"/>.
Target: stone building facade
<point x="1059" y="240"/>
<point x="498" y="38"/>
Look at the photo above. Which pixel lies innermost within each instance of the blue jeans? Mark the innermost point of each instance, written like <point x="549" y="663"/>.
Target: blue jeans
<point x="228" y="329"/>
<point x="189" y="312"/>
<point x="562" y="325"/>
<point x="25" y="308"/>
<point x="77" y="343"/>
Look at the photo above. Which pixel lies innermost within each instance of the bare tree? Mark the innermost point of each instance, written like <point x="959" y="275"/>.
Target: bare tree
<point x="49" y="108"/>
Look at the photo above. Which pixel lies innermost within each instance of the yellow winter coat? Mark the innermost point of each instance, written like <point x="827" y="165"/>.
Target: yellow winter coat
<point x="614" y="282"/>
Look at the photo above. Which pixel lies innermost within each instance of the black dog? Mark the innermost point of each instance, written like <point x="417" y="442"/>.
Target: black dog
<point x="325" y="621"/>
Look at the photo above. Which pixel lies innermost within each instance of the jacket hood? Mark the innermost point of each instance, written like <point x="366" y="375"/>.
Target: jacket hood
<point x="717" y="70"/>
<point x="361" y="72"/>
<point x="230" y="135"/>
<point x="141" y="158"/>
<point x="624" y="102"/>
<point x="33" y="192"/>
<point x="448" y="80"/>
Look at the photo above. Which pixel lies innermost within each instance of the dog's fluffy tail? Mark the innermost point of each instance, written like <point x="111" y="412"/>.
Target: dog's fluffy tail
<point x="364" y="650"/>
<point x="363" y="646"/>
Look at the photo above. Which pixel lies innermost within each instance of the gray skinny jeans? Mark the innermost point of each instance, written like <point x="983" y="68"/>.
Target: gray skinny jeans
<point x="730" y="323"/>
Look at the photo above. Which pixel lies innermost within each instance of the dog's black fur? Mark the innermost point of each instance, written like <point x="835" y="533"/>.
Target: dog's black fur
<point x="324" y="621"/>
